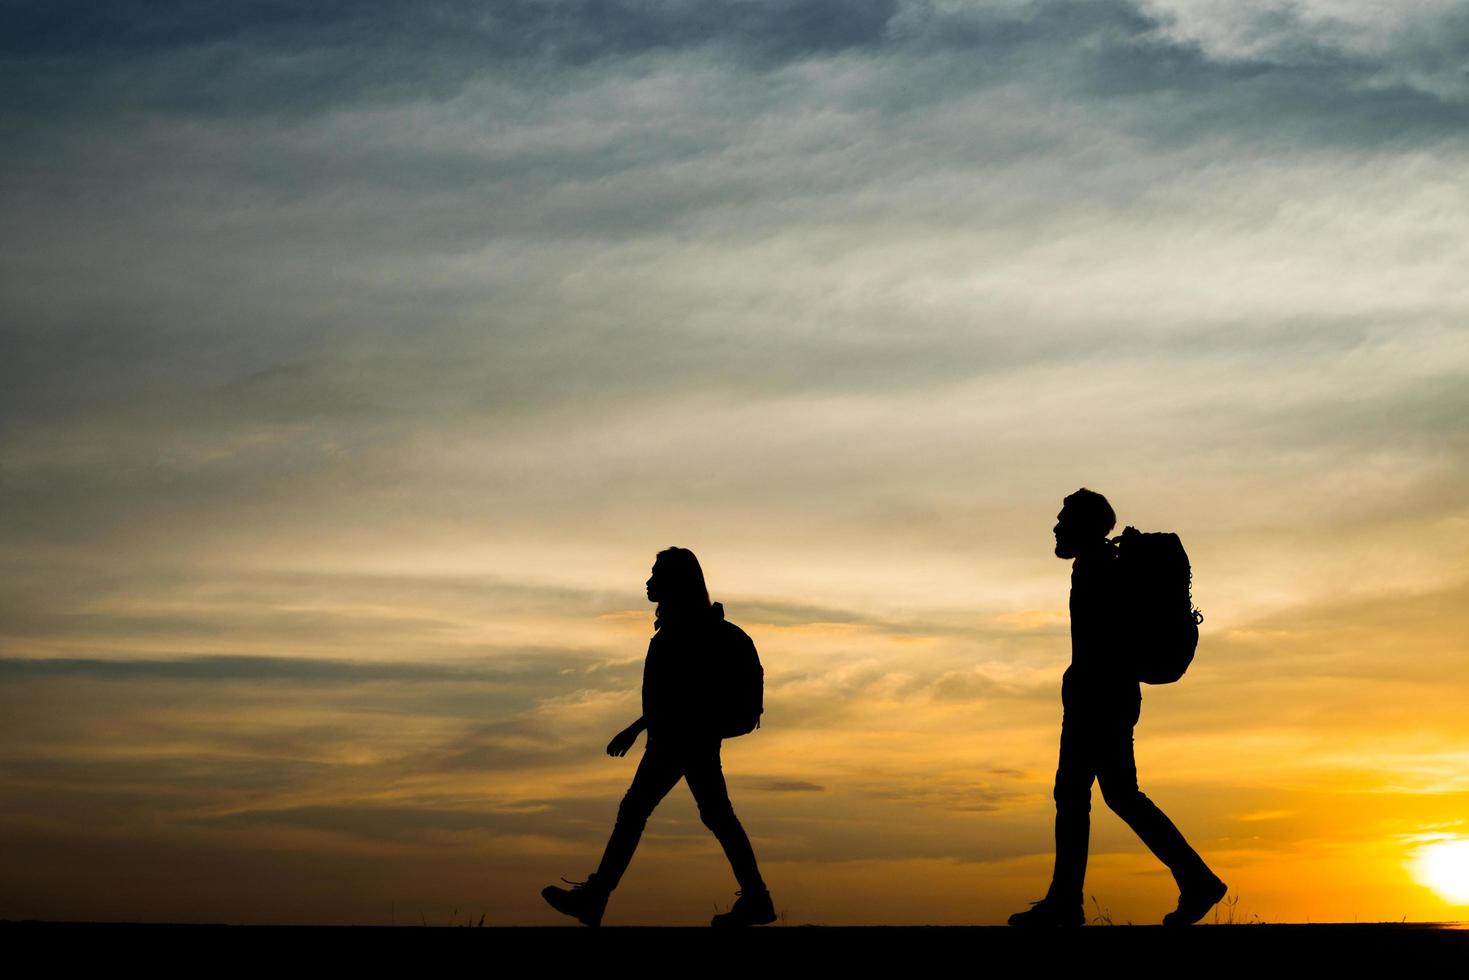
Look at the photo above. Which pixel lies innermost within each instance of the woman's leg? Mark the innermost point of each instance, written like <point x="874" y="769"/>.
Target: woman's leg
<point x="658" y="772"/>
<point x="705" y="776"/>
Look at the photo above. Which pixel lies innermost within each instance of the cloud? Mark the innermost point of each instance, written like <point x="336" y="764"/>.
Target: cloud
<point x="787" y="786"/>
<point x="293" y="670"/>
<point x="265" y="56"/>
<point x="415" y="823"/>
<point x="355" y="359"/>
<point x="272" y="57"/>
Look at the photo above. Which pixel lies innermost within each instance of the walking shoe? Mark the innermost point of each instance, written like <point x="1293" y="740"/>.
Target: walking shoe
<point x="1195" y="902"/>
<point x="749" y="909"/>
<point x="1048" y="914"/>
<point x="584" y="901"/>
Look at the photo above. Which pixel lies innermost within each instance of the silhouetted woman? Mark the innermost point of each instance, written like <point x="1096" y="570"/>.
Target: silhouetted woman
<point x="694" y="659"/>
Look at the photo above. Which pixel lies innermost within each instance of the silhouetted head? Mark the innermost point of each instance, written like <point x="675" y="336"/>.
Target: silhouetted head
<point x="1083" y="524"/>
<point x="677" y="585"/>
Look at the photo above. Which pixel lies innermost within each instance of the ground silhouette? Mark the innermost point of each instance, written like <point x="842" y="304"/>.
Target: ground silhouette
<point x="1319" y="949"/>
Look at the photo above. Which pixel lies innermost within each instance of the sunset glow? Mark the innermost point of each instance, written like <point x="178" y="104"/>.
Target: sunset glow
<point x="1444" y="867"/>
<point x="356" y="360"/>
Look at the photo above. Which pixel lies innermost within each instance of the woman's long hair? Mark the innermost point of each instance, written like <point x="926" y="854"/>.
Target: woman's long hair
<point x="683" y="596"/>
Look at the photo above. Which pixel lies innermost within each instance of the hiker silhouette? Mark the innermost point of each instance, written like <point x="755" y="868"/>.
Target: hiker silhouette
<point x="701" y="683"/>
<point x="1101" y="701"/>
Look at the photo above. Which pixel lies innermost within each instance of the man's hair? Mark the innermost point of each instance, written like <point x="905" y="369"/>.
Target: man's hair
<point x="1092" y="511"/>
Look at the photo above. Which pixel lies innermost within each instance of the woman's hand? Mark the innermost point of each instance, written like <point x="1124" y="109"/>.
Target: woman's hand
<point x="623" y="741"/>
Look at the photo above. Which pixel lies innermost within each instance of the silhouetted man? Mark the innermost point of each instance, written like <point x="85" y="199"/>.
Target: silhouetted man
<point x="1101" y="699"/>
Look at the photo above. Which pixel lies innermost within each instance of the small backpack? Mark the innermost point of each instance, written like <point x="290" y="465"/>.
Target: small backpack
<point x="739" y="695"/>
<point x="1159" y="623"/>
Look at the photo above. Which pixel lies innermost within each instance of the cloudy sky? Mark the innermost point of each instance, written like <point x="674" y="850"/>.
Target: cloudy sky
<point x="356" y="359"/>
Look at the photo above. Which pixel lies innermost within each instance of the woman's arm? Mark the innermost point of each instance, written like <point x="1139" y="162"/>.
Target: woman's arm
<point x="623" y="740"/>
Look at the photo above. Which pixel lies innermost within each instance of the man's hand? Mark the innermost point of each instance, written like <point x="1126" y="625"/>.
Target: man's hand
<point x="623" y="741"/>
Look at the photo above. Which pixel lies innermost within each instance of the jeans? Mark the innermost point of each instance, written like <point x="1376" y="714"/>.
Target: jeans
<point x="662" y="766"/>
<point x="1096" y="744"/>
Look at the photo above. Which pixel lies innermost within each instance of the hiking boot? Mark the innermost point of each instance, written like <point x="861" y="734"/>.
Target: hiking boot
<point x="1049" y="914"/>
<point x="584" y="901"/>
<point x="1195" y="902"/>
<point x="749" y="909"/>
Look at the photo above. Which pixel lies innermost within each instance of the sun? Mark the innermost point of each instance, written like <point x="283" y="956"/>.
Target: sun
<point x="1444" y="867"/>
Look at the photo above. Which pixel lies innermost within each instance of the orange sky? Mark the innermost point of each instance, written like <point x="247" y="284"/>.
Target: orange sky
<point x="902" y="774"/>
<point x="352" y="372"/>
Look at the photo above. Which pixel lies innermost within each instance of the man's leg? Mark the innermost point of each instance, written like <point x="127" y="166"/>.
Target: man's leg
<point x="658" y="772"/>
<point x="1073" y="794"/>
<point x="1117" y="773"/>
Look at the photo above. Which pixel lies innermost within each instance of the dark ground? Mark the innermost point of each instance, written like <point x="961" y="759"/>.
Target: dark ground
<point x="1244" y="951"/>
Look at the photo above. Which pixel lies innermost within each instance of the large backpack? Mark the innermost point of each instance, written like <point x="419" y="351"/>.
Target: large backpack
<point x="739" y="694"/>
<point x="1159" y="624"/>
